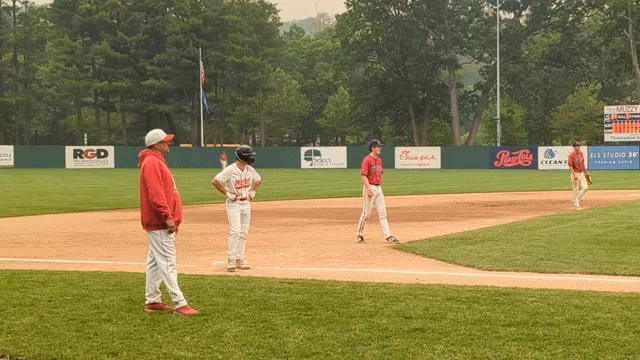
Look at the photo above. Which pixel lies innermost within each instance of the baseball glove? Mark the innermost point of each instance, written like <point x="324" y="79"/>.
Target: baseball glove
<point x="588" y="177"/>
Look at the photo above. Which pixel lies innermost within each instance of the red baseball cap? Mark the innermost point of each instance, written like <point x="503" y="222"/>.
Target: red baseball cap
<point x="157" y="135"/>
<point x="576" y="143"/>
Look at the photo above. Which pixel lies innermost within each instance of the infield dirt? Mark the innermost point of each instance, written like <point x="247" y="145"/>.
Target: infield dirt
<point x="304" y="239"/>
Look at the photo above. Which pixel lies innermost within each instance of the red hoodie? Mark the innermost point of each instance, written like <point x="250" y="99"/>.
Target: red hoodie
<point x="159" y="197"/>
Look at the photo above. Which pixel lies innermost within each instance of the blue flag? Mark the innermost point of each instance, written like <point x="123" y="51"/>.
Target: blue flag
<point x="204" y="102"/>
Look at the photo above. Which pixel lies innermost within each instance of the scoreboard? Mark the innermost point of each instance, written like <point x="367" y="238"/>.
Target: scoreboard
<point x="622" y="123"/>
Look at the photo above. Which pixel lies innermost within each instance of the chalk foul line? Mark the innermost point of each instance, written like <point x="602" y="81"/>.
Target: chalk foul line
<point x="66" y="261"/>
<point x="462" y="274"/>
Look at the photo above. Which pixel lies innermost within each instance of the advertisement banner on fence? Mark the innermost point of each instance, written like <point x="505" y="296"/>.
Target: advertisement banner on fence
<point x="418" y="158"/>
<point x="89" y="157"/>
<point x="614" y="157"/>
<point x="6" y="156"/>
<point x="555" y="157"/>
<point x="513" y="157"/>
<point x="328" y="157"/>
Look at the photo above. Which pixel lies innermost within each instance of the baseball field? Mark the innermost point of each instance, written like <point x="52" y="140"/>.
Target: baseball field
<point x="493" y="265"/>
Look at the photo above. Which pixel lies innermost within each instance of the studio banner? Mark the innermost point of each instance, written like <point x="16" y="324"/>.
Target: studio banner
<point x="614" y="157"/>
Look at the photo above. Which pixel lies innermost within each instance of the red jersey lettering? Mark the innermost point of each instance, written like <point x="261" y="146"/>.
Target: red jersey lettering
<point x="243" y="183"/>
<point x="372" y="168"/>
<point x="576" y="161"/>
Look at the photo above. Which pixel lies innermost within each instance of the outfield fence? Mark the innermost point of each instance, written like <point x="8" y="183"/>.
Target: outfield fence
<point x="333" y="157"/>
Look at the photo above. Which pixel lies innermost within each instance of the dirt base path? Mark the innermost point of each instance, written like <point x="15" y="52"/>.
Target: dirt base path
<point x="308" y="239"/>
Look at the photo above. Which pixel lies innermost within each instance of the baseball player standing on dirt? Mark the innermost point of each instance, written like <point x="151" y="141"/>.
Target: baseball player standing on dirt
<point x="580" y="178"/>
<point x="223" y="159"/>
<point x="371" y="174"/>
<point x="161" y="216"/>
<point x="239" y="182"/>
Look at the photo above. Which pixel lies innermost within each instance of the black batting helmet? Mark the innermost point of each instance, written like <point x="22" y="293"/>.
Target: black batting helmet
<point x="245" y="153"/>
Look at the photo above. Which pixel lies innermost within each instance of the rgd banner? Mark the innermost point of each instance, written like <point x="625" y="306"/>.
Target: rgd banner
<point x="513" y="157"/>
<point x="418" y="158"/>
<point x="89" y="157"/>
<point x="6" y="156"/>
<point x="614" y="157"/>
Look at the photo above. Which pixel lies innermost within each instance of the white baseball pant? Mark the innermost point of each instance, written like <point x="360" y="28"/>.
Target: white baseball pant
<point x="378" y="200"/>
<point x="161" y="267"/>
<point x="239" y="215"/>
<point x="223" y="163"/>
<point x="580" y="187"/>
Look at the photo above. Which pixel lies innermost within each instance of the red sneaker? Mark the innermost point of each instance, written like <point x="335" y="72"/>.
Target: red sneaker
<point x="186" y="310"/>
<point x="157" y="307"/>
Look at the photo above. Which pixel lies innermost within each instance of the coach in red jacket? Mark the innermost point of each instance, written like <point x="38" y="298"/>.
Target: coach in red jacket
<point x="161" y="215"/>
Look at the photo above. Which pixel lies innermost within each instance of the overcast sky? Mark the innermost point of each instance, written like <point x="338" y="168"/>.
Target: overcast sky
<point x="294" y="9"/>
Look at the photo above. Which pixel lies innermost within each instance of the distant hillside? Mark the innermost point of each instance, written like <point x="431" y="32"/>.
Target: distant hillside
<point x="307" y="24"/>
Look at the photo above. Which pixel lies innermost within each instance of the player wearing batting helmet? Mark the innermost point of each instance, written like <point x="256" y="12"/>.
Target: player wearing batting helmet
<point x="239" y="183"/>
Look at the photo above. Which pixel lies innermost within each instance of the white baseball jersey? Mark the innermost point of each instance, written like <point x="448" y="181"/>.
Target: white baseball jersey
<point x="238" y="182"/>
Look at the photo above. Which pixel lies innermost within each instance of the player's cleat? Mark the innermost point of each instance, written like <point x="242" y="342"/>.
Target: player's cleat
<point x="392" y="240"/>
<point x="242" y="265"/>
<point x="157" y="307"/>
<point x="360" y="240"/>
<point x="186" y="311"/>
<point x="231" y="266"/>
<point x="579" y="208"/>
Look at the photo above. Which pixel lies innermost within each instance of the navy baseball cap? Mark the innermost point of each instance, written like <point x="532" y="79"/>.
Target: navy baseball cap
<point x="373" y="143"/>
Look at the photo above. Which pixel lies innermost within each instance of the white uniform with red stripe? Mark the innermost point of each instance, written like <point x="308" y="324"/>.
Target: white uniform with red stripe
<point x="238" y="182"/>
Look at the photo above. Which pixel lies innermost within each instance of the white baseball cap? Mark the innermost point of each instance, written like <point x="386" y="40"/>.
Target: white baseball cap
<point x="155" y="136"/>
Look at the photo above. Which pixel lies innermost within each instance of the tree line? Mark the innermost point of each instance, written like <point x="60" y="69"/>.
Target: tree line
<point x="409" y="72"/>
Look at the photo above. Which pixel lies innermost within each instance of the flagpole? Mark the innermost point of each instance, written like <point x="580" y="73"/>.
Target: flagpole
<point x="201" y="111"/>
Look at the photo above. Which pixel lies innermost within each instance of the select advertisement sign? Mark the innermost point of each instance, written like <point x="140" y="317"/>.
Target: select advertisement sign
<point x="6" y="156"/>
<point x="89" y="157"/>
<point x="614" y="157"/>
<point x="418" y="158"/>
<point x="555" y="157"/>
<point x="319" y="157"/>
<point x="513" y="157"/>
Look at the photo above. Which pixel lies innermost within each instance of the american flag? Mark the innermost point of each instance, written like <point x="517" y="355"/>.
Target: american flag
<point x="202" y="77"/>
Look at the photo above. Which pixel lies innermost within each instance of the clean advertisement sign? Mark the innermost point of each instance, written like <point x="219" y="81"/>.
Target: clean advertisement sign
<point x="418" y="158"/>
<point x="614" y="157"/>
<point x="6" y="156"/>
<point x="89" y="157"/>
<point x="555" y="157"/>
<point x="327" y="157"/>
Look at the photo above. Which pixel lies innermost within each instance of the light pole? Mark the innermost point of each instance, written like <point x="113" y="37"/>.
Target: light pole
<point x="498" y="127"/>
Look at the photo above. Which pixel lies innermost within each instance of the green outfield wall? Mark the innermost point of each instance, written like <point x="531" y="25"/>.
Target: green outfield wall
<point x="465" y="157"/>
<point x="319" y="157"/>
<point x="39" y="157"/>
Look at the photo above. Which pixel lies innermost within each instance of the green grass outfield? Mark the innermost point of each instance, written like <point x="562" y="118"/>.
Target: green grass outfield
<point x="92" y="315"/>
<point x="67" y="315"/>
<point x="42" y="191"/>
<point x="603" y="240"/>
